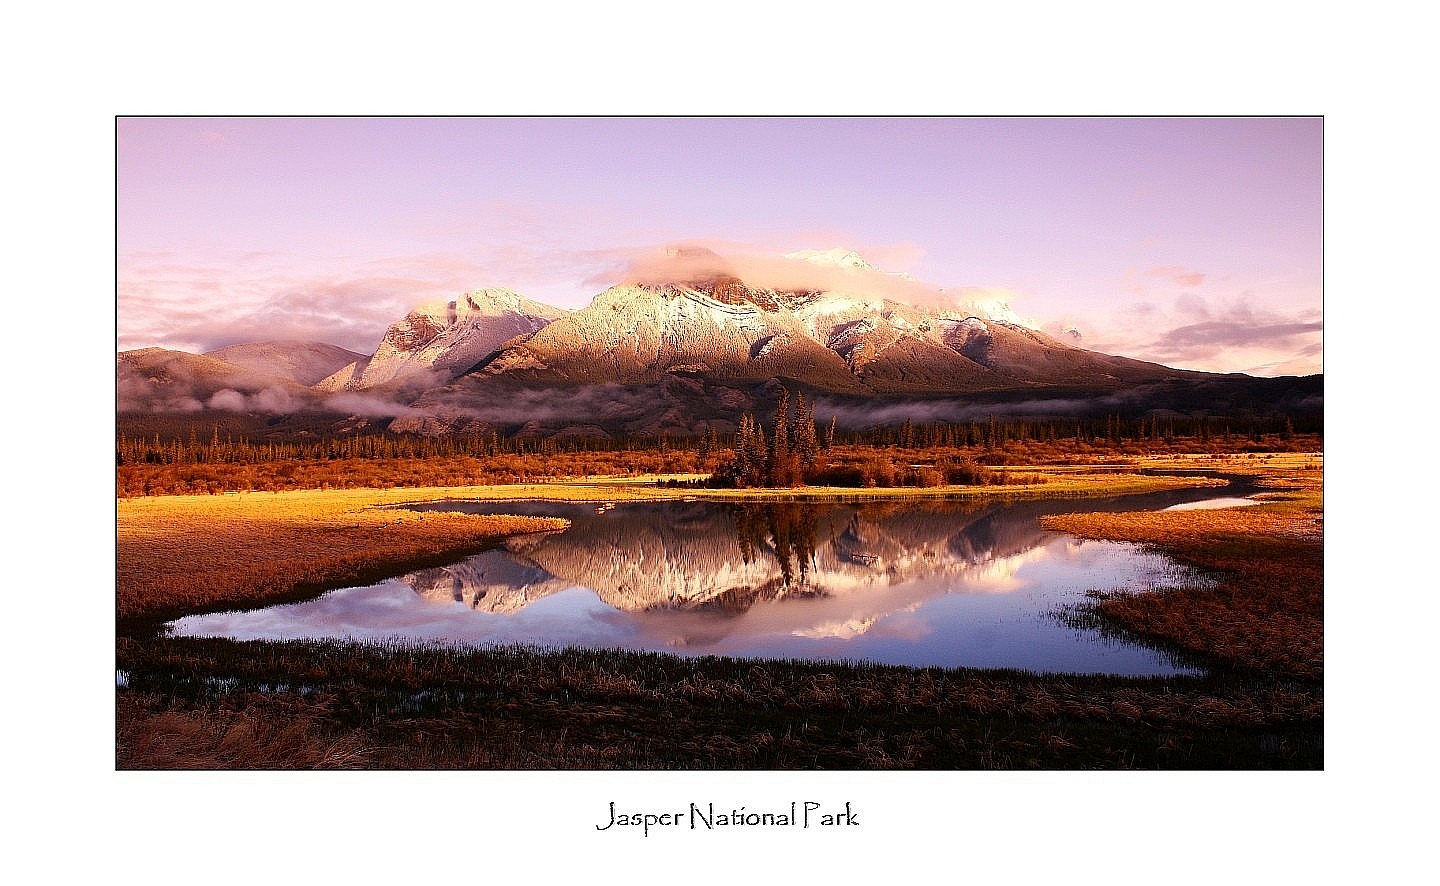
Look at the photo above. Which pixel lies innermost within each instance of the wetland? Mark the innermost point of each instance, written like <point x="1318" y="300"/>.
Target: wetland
<point x="919" y="583"/>
<point x="695" y="664"/>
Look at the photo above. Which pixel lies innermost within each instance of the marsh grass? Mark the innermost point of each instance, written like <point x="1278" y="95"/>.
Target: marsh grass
<point x="392" y="706"/>
<point x="1262" y="607"/>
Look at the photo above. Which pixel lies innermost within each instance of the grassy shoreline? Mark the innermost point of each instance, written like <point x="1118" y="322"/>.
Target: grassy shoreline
<point x="186" y="554"/>
<point x="1265" y="610"/>
<point x="193" y="703"/>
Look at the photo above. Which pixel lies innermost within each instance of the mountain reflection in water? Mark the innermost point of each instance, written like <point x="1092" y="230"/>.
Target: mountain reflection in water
<point x="912" y="582"/>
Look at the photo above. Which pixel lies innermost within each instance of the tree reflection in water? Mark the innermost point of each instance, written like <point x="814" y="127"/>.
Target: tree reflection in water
<point x="787" y="532"/>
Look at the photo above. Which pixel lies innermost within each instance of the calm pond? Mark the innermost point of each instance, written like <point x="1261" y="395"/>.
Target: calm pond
<point x="951" y="584"/>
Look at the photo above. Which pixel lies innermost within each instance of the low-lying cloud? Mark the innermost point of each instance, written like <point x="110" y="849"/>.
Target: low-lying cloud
<point x="580" y="404"/>
<point x="202" y="305"/>
<point x="270" y="401"/>
<point x="691" y="262"/>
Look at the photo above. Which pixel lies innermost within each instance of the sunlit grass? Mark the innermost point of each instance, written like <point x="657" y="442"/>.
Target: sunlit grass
<point x="177" y="554"/>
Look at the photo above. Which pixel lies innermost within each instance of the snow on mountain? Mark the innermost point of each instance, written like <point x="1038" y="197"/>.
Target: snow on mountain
<point x="684" y="343"/>
<point x="637" y="333"/>
<point x="436" y="341"/>
<point x="835" y="258"/>
<point x="988" y="309"/>
<point x="848" y="339"/>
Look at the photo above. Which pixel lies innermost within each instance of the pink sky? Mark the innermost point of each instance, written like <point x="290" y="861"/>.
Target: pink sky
<point x="1193" y="242"/>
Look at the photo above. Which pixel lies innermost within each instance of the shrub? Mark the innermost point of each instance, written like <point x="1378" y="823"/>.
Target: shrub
<point x="837" y="475"/>
<point x="967" y="472"/>
<point x="926" y="477"/>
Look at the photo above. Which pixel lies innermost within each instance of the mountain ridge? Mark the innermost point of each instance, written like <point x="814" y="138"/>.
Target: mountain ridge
<point x="669" y="351"/>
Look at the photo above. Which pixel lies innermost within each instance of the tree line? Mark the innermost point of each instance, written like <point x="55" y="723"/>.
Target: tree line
<point x="775" y="457"/>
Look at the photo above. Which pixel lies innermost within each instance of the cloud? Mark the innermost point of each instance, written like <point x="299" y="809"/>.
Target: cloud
<point x="1175" y="274"/>
<point x="1219" y="337"/>
<point x="232" y="401"/>
<point x="1191" y="305"/>
<point x="702" y="260"/>
<point x="369" y="405"/>
<point x="505" y="405"/>
<point x="852" y="415"/>
<point x="230" y="298"/>
<point x="596" y="402"/>
<point x="1230" y="333"/>
<point x="1237" y="325"/>
<point x="988" y="302"/>
<point x="134" y="395"/>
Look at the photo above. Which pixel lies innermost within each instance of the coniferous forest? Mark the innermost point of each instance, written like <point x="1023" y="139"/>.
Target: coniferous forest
<point x="788" y="448"/>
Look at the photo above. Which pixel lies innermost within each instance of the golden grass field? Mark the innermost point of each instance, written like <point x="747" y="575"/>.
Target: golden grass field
<point x="188" y="553"/>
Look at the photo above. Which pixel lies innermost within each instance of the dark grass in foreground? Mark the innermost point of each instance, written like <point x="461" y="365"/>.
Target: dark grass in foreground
<point x="207" y="703"/>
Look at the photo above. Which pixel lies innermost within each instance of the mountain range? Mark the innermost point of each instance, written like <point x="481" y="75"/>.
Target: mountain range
<point x="675" y="352"/>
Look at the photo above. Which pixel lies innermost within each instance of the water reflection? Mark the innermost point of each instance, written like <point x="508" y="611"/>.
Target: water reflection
<point x="662" y="556"/>
<point x="920" y="583"/>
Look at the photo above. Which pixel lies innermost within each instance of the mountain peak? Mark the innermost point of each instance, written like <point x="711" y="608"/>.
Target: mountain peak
<point x="682" y="265"/>
<point x="440" y="339"/>
<point x="838" y="257"/>
<point x="497" y="301"/>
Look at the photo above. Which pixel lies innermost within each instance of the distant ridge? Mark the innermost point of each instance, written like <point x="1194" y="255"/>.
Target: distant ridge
<point x="678" y="348"/>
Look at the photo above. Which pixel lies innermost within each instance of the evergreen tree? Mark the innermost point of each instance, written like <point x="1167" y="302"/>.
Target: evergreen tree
<point x="759" y="457"/>
<point x="702" y="449"/>
<point x="806" y="447"/>
<point x="742" y="436"/>
<point x="751" y="465"/>
<point x="781" y="470"/>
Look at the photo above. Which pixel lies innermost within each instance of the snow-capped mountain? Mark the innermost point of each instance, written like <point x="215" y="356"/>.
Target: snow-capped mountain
<point x="842" y="341"/>
<point x="838" y="257"/>
<point x="437" y="342"/>
<point x="685" y="343"/>
<point x="719" y="328"/>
